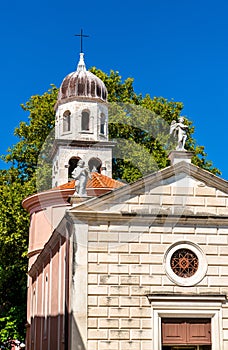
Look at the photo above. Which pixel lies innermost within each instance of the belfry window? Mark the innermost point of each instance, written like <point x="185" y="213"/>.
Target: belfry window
<point x="85" y="121"/>
<point x="66" y="121"/>
<point x="102" y="124"/>
<point x="71" y="166"/>
<point x="95" y="165"/>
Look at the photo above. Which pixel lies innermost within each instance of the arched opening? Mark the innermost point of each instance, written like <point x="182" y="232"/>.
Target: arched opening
<point x="71" y="166"/>
<point x="85" y="121"/>
<point x="102" y="124"/>
<point x="66" y="121"/>
<point x="95" y="165"/>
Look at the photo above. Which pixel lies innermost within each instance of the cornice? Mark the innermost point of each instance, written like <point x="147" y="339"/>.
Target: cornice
<point x="42" y="200"/>
<point x="158" y="219"/>
<point x="156" y="179"/>
<point x="169" y="297"/>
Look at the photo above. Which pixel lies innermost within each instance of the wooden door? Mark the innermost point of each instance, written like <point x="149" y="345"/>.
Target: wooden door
<point x="186" y="331"/>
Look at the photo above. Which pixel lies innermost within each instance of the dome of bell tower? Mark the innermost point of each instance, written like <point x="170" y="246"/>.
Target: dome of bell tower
<point x="81" y="84"/>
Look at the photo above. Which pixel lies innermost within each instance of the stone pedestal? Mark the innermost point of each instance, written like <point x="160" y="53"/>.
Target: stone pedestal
<point x="179" y="156"/>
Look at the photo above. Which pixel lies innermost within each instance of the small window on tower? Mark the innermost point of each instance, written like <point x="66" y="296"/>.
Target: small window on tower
<point x="102" y="124"/>
<point x="66" y="121"/>
<point x="85" y="121"/>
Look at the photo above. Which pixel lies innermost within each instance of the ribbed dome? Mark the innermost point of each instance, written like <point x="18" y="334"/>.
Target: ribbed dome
<point x="81" y="84"/>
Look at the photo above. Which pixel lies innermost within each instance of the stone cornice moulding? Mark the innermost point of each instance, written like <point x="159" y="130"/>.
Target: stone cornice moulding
<point x="78" y="99"/>
<point x="84" y="144"/>
<point x="156" y="179"/>
<point x="42" y="200"/>
<point x="222" y="298"/>
<point x="158" y="219"/>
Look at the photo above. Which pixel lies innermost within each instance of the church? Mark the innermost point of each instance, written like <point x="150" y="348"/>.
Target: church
<point x="141" y="266"/>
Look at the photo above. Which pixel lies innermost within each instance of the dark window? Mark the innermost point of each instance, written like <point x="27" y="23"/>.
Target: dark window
<point x="72" y="165"/>
<point x="95" y="165"/>
<point x="102" y="124"/>
<point x="85" y="121"/>
<point x="66" y="121"/>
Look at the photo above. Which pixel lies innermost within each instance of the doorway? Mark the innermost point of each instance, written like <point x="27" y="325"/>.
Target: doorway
<point x="186" y="334"/>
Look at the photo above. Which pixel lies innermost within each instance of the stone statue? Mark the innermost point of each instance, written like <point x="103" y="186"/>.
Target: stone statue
<point x="81" y="175"/>
<point x="179" y="129"/>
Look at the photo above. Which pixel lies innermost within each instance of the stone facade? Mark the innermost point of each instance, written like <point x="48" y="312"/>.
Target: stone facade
<point x="126" y="259"/>
<point x="118" y="285"/>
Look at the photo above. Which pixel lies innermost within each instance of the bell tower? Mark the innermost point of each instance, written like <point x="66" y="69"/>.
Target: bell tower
<point x="81" y="125"/>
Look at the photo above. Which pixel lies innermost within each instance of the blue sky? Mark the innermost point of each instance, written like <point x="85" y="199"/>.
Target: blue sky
<point x="172" y="48"/>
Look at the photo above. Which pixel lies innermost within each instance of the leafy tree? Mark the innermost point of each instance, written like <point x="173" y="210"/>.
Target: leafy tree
<point x="140" y="124"/>
<point x="24" y="155"/>
<point x="16" y="184"/>
<point x="147" y="128"/>
<point x="13" y="250"/>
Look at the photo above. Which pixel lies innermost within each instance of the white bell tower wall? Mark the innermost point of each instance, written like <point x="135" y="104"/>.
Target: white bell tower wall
<point x="82" y="120"/>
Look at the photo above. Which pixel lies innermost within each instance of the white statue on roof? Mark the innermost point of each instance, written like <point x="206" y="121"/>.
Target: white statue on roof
<point x="179" y="129"/>
<point x="81" y="175"/>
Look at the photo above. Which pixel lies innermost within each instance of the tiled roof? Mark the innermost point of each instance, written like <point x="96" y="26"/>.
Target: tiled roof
<point x="97" y="186"/>
<point x="102" y="181"/>
<point x="98" y="181"/>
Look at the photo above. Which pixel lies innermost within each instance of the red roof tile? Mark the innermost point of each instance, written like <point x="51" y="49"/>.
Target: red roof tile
<point x="98" y="181"/>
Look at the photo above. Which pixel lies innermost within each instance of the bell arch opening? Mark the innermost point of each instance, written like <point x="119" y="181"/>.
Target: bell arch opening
<point x="73" y="162"/>
<point x="95" y="165"/>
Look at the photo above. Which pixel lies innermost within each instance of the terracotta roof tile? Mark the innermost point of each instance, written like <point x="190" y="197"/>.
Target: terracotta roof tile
<point x="103" y="181"/>
<point x="98" y="181"/>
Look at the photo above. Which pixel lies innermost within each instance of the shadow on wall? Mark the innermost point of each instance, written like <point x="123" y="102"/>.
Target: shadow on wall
<point x="54" y="332"/>
<point x="76" y="338"/>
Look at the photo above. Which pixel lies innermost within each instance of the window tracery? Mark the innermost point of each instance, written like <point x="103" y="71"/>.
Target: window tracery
<point x="184" y="263"/>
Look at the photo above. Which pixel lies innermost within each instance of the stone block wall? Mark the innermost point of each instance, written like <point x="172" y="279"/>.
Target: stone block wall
<point x="121" y="274"/>
<point x="126" y="263"/>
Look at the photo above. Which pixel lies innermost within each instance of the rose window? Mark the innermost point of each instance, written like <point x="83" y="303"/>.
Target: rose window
<point x="184" y="262"/>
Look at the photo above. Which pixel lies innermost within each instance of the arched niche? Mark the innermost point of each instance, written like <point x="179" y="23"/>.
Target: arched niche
<point x="102" y="124"/>
<point x="73" y="161"/>
<point x="66" y="121"/>
<point x="95" y="165"/>
<point x="85" y="120"/>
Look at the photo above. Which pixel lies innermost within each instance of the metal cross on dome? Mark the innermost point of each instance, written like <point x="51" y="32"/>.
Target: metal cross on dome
<point x="81" y="36"/>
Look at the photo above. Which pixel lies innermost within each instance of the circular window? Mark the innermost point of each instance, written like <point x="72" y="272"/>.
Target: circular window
<point x="185" y="263"/>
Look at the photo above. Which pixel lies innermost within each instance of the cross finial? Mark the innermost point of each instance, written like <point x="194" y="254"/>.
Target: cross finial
<point x="81" y="36"/>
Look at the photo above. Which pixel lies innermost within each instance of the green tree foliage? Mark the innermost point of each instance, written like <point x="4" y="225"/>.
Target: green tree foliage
<point x="14" y="223"/>
<point x="17" y="183"/>
<point x="139" y="124"/>
<point x="148" y="129"/>
<point x="24" y="155"/>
